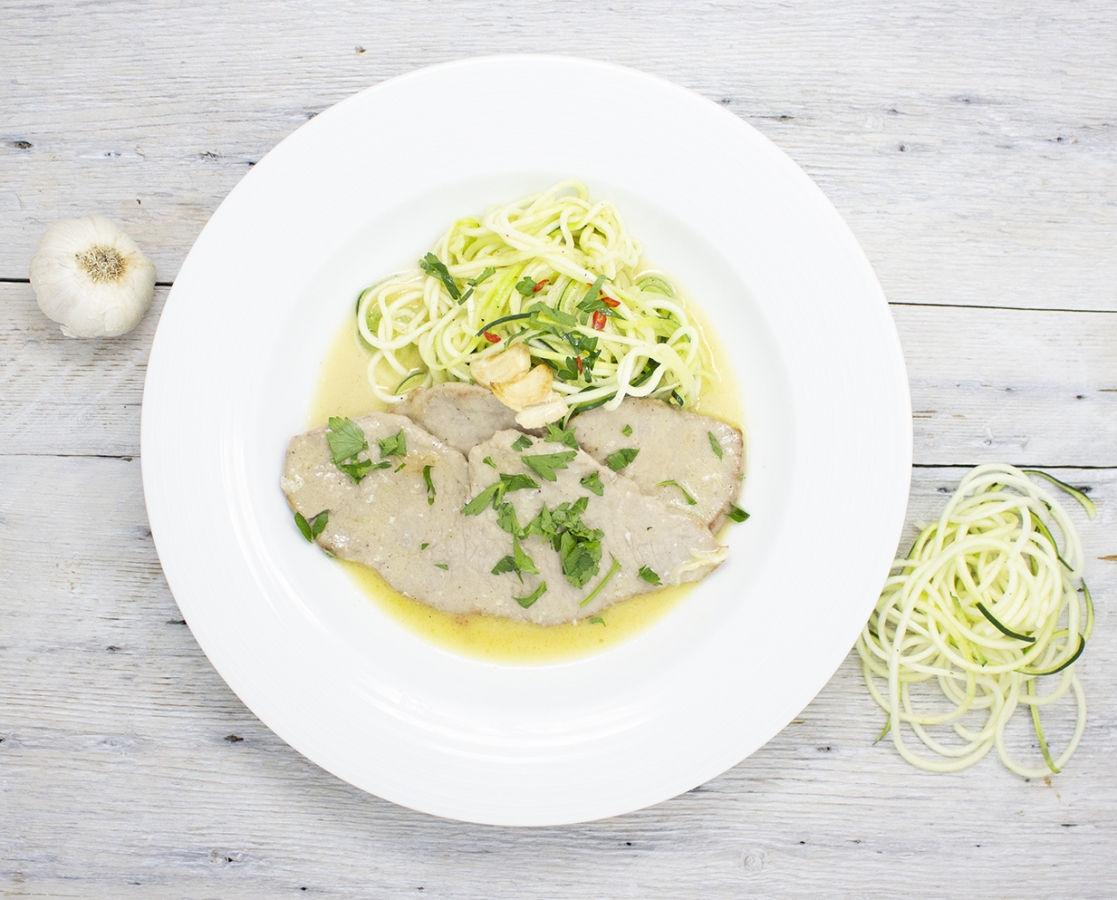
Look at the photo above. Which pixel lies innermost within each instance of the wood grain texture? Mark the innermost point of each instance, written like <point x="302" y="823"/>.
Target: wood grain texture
<point x="1024" y="386"/>
<point x="128" y="768"/>
<point x="973" y="150"/>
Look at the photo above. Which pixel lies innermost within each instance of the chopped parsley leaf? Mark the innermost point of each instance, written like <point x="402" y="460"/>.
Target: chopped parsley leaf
<point x="556" y="434"/>
<point x="627" y="431"/>
<point x="310" y="530"/>
<point x="400" y="467"/>
<point x="519" y="562"/>
<point x="578" y="545"/>
<point x="526" y="286"/>
<point x="604" y="581"/>
<point x="434" y="267"/>
<point x="430" y="485"/>
<point x="487" y="273"/>
<point x="506" y="518"/>
<point x="525" y="602"/>
<point x="715" y="444"/>
<point x="424" y="545"/>
<point x="396" y="445"/>
<point x="346" y="439"/>
<point x="494" y="493"/>
<point x="518" y="482"/>
<point x="358" y="469"/>
<point x="545" y="464"/>
<point x="592" y="482"/>
<point x="597" y="620"/>
<point x="648" y="575"/>
<point x="690" y="501"/>
<point x="736" y="513"/>
<point x="490" y="496"/>
<point x="442" y="566"/>
<point x="523" y="442"/>
<point x="620" y="459"/>
<point x="488" y="461"/>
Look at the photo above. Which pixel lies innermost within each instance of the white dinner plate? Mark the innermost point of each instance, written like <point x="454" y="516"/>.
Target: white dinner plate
<point x="363" y="190"/>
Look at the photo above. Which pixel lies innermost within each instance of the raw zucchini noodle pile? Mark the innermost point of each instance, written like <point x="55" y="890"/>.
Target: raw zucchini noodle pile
<point x="553" y="270"/>
<point x="986" y="603"/>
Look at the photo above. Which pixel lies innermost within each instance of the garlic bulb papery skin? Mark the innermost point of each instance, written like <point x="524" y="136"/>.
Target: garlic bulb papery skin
<point x="91" y="278"/>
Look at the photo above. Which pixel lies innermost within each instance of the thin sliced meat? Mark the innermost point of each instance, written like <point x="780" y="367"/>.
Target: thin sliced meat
<point x="385" y="521"/>
<point x="638" y="532"/>
<point x="674" y="446"/>
<point x="463" y="415"/>
<point x="433" y="552"/>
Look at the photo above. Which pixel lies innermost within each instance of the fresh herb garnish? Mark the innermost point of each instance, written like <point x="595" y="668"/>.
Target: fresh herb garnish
<point x="473" y="282"/>
<point x="430" y="485"/>
<point x="434" y="267"/>
<point x="556" y="434"/>
<point x="526" y="286"/>
<point x="578" y="545"/>
<point x="518" y="482"/>
<point x="604" y="581"/>
<point x="597" y="620"/>
<point x="545" y="464"/>
<point x="590" y="300"/>
<point x="396" y="445"/>
<point x="398" y="468"/>
<point x="648" y="575"/>
<point x="715" y="444"/>
<point x="672" y="483"/>
<point x="486" y="274"/>
<point x="442" y="566"/>
<point x="310" y="530"/>
<point x="525" y="602"/>
<point x="488" y="461"/>
<point x="627" y="431"/>
<point x="592" y="482"/>
<point x="519" y="562"/>
<point x="736" y="513"/>
<point x="523" y="442"/>
<point x="347" y="440"/>
<point x="494" y="493"/>
<point x="490" y="496"/>
<point x="620" y="459"/>
<point x="424" y="545"/>
<point x="506" y="519"/>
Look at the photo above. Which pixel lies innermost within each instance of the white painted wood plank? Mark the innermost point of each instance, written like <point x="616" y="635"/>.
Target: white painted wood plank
<point x="63" y="395"/>
<point x="1023" y="386"/>
<point x="972" y="149"/>
<point x="118" y="777"/>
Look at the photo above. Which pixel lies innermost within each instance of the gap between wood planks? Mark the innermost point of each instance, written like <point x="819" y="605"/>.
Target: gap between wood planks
<point x="1057" y="309"/>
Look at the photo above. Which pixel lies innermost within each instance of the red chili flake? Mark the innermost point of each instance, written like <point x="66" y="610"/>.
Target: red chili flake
<point x="598" y="320"/>
<point x="539" y="285"/>
<point x="578" y="360"/>
<point x="610" y="302"/>
<point x="492" y="338"/>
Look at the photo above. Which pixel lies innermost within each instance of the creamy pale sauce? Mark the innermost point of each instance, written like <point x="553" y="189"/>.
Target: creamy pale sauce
<point x="343" y="390"/>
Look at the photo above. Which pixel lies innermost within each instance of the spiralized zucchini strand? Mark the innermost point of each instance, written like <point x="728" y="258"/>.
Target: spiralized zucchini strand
<point x="536" y="259"/>
<point x="985" y="602"/>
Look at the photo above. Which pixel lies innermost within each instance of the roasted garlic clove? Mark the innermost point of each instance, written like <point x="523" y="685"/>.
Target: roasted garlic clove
<point x="508" y="365"/>
<point x="527" y="390"/>
<point x="543" y="413"/>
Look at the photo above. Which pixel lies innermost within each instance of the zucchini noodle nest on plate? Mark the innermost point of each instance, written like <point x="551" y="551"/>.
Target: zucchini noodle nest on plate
<point x="553" y="271"/>
<point x="985" y="603"/>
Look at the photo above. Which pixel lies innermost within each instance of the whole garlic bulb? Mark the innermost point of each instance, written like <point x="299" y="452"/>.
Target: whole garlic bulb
<point x="91" y="278"/>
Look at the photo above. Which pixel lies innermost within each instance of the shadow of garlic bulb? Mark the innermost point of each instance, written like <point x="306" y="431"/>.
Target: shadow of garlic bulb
<point x="91" y="278"/>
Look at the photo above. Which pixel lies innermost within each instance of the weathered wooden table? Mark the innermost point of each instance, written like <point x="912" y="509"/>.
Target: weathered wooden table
<point x="973" y="150"/>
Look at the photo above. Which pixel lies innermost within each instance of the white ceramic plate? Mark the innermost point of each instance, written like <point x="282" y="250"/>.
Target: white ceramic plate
<point x="364" y="189"/>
